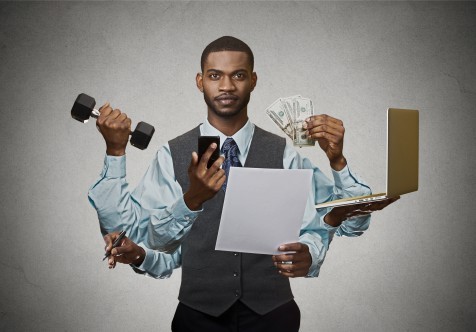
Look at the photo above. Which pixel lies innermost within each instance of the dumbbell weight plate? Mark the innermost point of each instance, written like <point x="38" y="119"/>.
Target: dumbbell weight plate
<point x="141" y="136"/>
<point x="83" y="107"/>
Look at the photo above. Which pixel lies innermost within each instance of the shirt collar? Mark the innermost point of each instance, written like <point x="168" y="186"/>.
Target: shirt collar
<point x="242" y="137"/>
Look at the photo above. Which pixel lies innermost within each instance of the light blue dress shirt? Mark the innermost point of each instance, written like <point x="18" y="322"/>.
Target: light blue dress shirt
<point x="155" y="214"/>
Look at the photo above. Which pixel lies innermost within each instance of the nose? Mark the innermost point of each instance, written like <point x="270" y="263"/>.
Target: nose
<point x="226" y="84"/>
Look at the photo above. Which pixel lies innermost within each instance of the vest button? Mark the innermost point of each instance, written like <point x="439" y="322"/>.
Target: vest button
<point x="235" y="254"/>
<point x="235" y="274"/>
<point x="237" y="293"/>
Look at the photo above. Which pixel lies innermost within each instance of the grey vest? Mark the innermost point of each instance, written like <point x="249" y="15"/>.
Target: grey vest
<point x="213" y="280"/>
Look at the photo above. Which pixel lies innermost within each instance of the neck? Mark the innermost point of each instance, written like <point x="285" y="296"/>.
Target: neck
<point x="228" y="125"/>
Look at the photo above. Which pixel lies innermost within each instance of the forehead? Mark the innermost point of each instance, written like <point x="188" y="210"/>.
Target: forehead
<point x="227" y="61"/>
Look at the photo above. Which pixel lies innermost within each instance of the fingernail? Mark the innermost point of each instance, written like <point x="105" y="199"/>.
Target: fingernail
<point x="281" y="247"/>
<point x="275" y="264"/>
<point x="308" y="119"/>
<point x="214" y="145"/>
<point x="304" y="125"/>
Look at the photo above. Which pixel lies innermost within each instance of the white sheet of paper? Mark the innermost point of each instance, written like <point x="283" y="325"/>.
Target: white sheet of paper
<point x="263" y="209"/>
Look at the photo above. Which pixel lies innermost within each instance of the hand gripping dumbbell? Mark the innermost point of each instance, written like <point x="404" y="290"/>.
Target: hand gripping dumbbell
<point x="83" y="108"/>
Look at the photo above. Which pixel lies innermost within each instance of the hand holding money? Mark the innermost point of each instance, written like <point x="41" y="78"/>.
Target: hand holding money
<point x="295" y="116"/>
<point x="289" y="114"/>
<point x="329" y="133"/>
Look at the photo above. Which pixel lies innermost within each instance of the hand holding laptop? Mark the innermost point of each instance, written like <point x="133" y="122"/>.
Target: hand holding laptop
<point x="340" y="213"/>
<point x="402" y="159"/>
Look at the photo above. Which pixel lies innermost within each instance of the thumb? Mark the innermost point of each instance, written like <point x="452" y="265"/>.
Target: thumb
<point x="194" y="161"/>
<point x="108" y="240"/>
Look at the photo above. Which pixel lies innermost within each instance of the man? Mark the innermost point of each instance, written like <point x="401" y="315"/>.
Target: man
<point x="177" y="206"/>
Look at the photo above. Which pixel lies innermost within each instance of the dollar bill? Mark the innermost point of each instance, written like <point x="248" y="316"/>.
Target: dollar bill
<point x="279" y="116"/>
<point x="303" y="109"/>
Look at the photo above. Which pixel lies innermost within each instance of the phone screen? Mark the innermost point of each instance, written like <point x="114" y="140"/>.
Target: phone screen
<point x="203" y="144"/>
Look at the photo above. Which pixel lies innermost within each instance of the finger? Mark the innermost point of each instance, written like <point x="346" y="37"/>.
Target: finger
<point x="109" y="239"/>
<point x="295" y="246"/>
<point x="293" y="274"/>
<point x="121" y="250"/>
<point x="358" y="214"/>
<point x="111" y="262"/>
<point x="294" y="267"/>
<point x="279" y="259"/>
<point x="103" y="107"/>
<point x="128" y="123"/>
<point x="122" y="117"/>
<point x="203" y="162"/>
<point x="327" y="136"/>
<point x="216" y="166"/>
<point x="316" y="120"/>
<point x="379" y="205"/>
<point x="217" y="180"/>
<point x="193" y="162"/>
<point x="114" y="114"/>
<point x="338" y="132"/>
<point x="104" y="112"/>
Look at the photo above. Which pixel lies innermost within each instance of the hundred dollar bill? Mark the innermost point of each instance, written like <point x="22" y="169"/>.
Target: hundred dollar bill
<point x="278" y="114"/>
<point x="302" y="108"/>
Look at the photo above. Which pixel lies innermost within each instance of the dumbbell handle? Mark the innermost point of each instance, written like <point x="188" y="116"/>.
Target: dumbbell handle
<point x="95" y="114"/>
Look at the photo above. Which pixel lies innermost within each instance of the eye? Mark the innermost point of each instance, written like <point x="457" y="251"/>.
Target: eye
<point x="239" y="76"/>
<point x="214" y="76"/>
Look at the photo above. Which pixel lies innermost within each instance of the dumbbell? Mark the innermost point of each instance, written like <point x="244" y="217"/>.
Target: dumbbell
<point x="83" y="108"/>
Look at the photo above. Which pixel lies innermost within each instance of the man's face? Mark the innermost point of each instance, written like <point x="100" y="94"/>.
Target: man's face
<point x="226" y="82"/>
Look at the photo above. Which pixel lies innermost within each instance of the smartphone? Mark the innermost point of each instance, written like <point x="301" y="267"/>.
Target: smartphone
<point x="203" y="143"/>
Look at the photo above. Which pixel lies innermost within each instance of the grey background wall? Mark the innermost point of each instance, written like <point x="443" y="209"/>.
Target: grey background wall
<point x="413" y="270"/>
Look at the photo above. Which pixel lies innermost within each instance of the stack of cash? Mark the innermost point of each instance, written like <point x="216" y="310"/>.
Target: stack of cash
<point x="289" y="114"/>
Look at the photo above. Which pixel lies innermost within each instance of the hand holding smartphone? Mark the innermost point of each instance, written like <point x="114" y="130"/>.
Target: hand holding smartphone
<point x="203" y="143"/>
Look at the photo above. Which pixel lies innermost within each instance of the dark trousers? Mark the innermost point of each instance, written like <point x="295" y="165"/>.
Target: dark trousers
<point x="239" y="318"/>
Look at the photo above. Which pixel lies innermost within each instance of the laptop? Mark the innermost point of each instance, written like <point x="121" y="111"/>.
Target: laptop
<point x="402" y="159"/>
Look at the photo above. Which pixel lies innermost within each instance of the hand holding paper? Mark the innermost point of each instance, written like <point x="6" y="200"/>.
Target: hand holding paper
<point x="263" y="209"/>
<point x="295" y="262"/>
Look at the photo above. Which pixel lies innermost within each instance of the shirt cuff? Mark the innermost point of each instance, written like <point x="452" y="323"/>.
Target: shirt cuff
<point x="343" y="178"/>
<point x="148" y="259"/>
<point x="316" y="256"/>
<point x="114" y="167"/>
<point x="180" y="211"/>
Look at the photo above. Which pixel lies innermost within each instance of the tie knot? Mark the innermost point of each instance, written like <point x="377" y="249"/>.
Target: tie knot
<point x="228" y="145"/>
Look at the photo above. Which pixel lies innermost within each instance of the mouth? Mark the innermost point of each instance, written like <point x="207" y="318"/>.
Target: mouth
<point x="226" y="99"/>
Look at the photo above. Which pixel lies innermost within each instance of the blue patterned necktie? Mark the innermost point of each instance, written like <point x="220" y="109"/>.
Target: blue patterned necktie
<point x="230" y="150"/>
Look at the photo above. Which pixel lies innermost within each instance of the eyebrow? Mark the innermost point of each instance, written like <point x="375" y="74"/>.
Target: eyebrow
<point x="221" y="72"/>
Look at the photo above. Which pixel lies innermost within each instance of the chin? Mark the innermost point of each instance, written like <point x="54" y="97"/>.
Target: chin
<point x="227" y="112"/>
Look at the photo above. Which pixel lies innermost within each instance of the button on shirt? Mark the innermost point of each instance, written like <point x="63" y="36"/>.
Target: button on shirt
<point x="155" y="214"/>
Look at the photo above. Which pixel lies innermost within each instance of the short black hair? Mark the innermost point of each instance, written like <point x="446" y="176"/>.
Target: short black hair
<point x="227" y="43"/>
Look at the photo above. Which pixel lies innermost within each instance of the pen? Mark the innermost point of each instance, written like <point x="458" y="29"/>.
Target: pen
<point x="115" y="244"/>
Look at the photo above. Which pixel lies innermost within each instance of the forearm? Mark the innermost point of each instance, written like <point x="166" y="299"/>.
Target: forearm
<point x="111" y="198"/>
<point x="346" y="184"/>
<point x="167" y="229"/>
<point x="315" y="236"/>
<point x="338" y="225"/>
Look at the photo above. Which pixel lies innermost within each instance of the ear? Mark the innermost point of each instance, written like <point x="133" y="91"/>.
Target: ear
<point x="199" y="81"/>
<point x="254" y="79"/>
